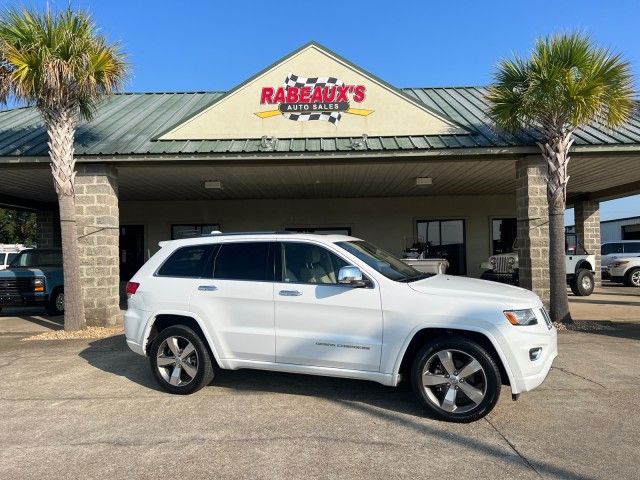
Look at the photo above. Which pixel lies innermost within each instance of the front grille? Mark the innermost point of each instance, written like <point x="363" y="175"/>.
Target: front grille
<point x="502" y="264"/>
<point x="15" y="286"/>
<point x="546" y="317"/>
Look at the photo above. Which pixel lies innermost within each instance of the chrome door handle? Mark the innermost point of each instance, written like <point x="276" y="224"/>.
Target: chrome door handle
<point x="207" y="288"/>
<point x="290" y="293"/>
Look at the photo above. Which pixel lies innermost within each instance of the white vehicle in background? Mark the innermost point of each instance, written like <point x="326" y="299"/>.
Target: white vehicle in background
<point x="612" y="251"/>
<point x="337" y="306"/>
<point x="504" y="268"/>
<point x="8" y="252"/>
<point x="626" y="270"/>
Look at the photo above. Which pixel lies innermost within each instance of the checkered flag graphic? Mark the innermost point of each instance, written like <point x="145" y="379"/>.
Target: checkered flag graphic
<point x="313" y="82"/>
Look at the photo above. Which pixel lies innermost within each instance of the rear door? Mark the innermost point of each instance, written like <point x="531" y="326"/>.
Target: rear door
<point x="318" y="321"/>
<point x="237" y="303"/>
<point x="631" y="249"/>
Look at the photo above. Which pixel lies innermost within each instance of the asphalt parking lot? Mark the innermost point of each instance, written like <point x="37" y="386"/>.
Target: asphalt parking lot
<point x="90" y="409"/>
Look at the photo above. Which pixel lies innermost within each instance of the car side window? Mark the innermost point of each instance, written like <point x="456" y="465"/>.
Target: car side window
<point x="187" y="262"/>
<point x="632" y="247"/>
<point x="309" y="263"/>
<point x="244" y="261"/>
<point x="609" y="248"/>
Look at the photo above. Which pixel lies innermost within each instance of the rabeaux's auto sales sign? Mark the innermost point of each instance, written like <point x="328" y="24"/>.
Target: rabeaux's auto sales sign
<point x="304" y="99"/>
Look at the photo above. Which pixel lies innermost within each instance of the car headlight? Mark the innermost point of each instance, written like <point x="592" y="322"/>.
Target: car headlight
<point x="521" y="317"/>
<point x="492" y="261"/>
<point x="512" y="260"/>
<point x="619" y="264"/>
<point x="38" y="284"/>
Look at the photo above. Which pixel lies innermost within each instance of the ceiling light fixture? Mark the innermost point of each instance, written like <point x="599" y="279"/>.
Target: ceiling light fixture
<point x="423" y="181"/>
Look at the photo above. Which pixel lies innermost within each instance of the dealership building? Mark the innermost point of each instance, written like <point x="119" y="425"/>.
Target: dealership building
<point x="312" y="143"/>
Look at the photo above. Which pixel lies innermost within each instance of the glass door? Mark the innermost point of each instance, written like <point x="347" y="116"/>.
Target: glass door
<point x="444" y="239"/>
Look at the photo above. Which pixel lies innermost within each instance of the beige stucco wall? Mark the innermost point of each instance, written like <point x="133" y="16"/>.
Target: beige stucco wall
<point x="388" y="222"/>
<point x="234" y="116"/>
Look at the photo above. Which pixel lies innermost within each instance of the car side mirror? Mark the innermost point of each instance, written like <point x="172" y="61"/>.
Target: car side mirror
<point x="351" y="276"/>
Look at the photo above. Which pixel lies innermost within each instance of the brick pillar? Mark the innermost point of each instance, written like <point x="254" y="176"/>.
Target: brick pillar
<point x="48" y="229"/>
<point x="98" y="229"/>
<point x="587" y="216"/>
<point x="533" y="225"/>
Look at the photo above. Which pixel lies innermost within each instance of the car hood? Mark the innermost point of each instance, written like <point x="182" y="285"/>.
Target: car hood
<point x="27" y="272"/>
<point x="464" y="288"/>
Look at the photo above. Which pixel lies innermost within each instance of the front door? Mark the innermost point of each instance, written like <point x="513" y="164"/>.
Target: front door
<point x="318" y="321"/>
<point x="131" y="250"/>
<point x="237" y="303"/>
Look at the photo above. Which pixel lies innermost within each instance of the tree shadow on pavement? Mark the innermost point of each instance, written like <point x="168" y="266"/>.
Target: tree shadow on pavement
<point x="609" y="328"/>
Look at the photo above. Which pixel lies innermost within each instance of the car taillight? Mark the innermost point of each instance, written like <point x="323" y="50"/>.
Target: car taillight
<point x="132" y="288"/>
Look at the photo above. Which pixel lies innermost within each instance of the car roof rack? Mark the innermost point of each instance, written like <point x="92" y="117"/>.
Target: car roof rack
<point x="265" y="232"/>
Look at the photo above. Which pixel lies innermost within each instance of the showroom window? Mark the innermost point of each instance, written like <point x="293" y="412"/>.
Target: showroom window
<point x="503" y="235"/>
<point x="190" y="230"/>
<point x="444" y="239"/>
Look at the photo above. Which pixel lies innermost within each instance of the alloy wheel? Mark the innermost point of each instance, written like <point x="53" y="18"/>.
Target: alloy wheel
<point x="635" y="278"/>
<point x="454" y="381"/>
<point x="60" y="302"/>
<point x="586" y="283"/>
<point x="177" y="361"/>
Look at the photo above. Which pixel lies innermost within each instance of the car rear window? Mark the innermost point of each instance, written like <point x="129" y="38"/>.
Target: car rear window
<point x="187" y="262"/>
<point x="244" y="261"/>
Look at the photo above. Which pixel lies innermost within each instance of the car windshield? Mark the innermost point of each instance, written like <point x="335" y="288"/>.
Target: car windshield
<point x="38" y="258"/>
<point x="382" y="261"/>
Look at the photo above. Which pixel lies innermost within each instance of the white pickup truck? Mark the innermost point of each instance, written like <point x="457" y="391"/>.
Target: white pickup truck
<point x="579" y="264"/>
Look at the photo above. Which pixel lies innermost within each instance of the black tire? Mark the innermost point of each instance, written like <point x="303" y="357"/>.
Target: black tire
<point x="55" y="305"/>
<point x="583" y="283"/>
<point x="631" y="276"/>
<point x="470" y="411"/>
<point x="203" y="366"/>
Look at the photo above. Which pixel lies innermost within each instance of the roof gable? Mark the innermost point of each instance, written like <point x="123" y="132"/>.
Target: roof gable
<point x="312" y="93"/>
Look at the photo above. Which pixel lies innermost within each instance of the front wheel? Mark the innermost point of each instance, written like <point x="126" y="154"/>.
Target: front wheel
<point x="632" y="279"/>
<point x="180" y="360"/>
<point x="56" y="303"/>
<point x="455" y="379"/>
<point x="583" y="283"/>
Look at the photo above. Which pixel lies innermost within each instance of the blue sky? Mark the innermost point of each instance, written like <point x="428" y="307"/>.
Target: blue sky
<point x="212" y="45"/>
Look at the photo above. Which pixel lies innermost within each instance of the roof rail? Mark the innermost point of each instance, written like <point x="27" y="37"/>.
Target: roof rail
<point x="265" y="232"/>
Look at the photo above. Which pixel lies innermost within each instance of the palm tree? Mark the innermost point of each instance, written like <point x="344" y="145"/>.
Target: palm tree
<point x="59" y="63"/>
<point x="567" y="82"/>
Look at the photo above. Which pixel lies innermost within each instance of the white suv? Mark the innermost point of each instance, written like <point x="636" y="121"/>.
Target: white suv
<point x="338" y="306"/>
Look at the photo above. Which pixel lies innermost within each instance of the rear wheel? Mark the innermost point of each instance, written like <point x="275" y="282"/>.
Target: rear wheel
<point x="180" y="360"/>
<point x="632" y="278"/>
<point x="583" y="283"/>
<point x="455" y="379"/>
<point x="56" y="303"/>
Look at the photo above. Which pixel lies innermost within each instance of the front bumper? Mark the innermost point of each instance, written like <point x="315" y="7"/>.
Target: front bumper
<point x="24" y="300"/>
<point x="517" y="342"/>
<point x="509" y="278"/>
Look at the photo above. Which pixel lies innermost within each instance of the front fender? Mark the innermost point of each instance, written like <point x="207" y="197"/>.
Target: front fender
<point x="451" y="326"/>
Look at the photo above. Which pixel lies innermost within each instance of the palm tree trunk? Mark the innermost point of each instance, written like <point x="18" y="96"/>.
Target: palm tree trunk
<point x="61" y="129"/>
<point x="556" y="153"/>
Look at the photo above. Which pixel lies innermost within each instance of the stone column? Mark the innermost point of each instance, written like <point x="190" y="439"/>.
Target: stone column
<point x="98" y="234"/>
<point x="587" y="216"/>
<point x="533" y="225"/>
<point x="48" y="229"/>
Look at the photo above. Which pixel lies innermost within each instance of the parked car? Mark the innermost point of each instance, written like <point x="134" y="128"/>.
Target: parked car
<point x="626" y="270"/>
<point x="428" y="265"/>
<point x="612" y="251"/>
<point x="8" y="252"/>
<point x="579" y="265"/>
<point x="34" y="278"/>
<point x="338" y="306"/>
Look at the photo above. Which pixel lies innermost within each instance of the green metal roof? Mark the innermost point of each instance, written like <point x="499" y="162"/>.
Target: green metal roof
<point x="129" y="124"/>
